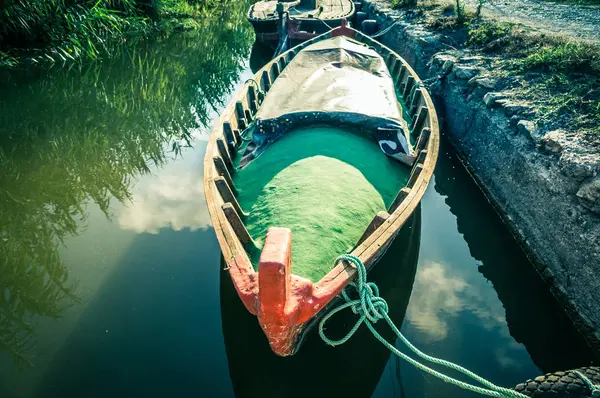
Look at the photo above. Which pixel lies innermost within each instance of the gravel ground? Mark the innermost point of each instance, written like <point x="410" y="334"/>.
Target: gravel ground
<point x="578" y="21"/>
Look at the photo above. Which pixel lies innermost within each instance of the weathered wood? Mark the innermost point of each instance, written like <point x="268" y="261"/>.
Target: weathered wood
<point x="416" y="99"/>
<point x="223" y="172"/>
<point x="376" y="222"/>
<point x="423" y="139"/>
<point x="421" y="156"/>
<point x="240" y="115"/>
<point x="222" y="147"/>
<point x="252" y="99"/>
<point x="236" y="223"/>
<point x="227" y="195"/>
<point x="282" y="63"/>
<point x="275" y="70"/>
<point x="248" y="115"/>
<point x="229" y="137"/>
<point x="416" y="171"/>
<point x="402" y="194"/>
<point x="265" y="80"/>
<point x="238" y="137"/>
<point x="420" y="120"/>
<point x="410" y="82"/>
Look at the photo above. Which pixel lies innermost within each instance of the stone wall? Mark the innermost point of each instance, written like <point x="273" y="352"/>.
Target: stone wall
<point x="546" y="190"/>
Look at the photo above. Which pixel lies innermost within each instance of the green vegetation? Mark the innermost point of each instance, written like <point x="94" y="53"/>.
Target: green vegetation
<point x="58" y="31"/>
<point x="81" y="135"/>
<point x="312" y="181"/>
<point x="560" y="77"/>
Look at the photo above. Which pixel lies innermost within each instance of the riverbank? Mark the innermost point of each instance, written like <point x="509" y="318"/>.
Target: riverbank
<point x="57" y="32"/>
<point x="521" y="107"/>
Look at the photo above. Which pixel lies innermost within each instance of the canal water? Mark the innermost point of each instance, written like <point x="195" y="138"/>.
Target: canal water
<point x="111" y="275"/>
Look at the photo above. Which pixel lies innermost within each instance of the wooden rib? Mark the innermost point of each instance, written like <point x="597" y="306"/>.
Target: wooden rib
<point x="416" y="171"/>
<point x="422" y="155"/>
<point x="282" y="64"/>
<point x="238" y="138"/>
<point x="416" y="99"/>
<point x="229" y="137"/>
<point x="410" y="82"/>
<point x="252" y="99"/>
<point x="265" y="80"/>
<point x="223" y="172"/>
<point x="224" y="153"/>
<point x="423" y="139"/>
<point x="236" y="223"/>
<point x="248" y="115"/>
<point x="420" y="120"/>
<point x="376" y="222"/>
<point x="227" y="195"/>
<point x="239" y="114"/>
<point x="275" y="70"/>
<point x="401" y="73"/>
<point x="402" y="194"/>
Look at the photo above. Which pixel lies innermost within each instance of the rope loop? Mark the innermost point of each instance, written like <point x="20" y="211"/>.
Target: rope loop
<point x="371" y="308"/>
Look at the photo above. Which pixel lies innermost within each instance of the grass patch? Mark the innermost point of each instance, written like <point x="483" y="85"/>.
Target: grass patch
<point x="559" y="77"/>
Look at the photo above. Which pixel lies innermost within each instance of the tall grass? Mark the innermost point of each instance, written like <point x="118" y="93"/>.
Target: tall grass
<point x="51" y="31"/>
<point x="81" y="135"/>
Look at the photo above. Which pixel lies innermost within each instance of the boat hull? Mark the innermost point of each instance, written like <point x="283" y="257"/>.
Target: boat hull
<point x="286" y="307"/>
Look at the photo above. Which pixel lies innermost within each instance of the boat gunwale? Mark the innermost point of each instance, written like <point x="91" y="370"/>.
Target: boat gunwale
<point x="375" y="244"/>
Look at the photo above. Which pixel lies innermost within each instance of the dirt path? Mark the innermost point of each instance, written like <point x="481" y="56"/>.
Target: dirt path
<point x="578" y="21"/>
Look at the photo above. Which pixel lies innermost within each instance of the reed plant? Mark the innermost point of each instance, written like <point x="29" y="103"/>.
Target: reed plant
<point x="79" y="136"/>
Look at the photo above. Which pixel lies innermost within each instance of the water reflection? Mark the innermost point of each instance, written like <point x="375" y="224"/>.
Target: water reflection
<point x="256" y="372"/>
<point x="531" y="312"/>
<point x="85" y="135"/>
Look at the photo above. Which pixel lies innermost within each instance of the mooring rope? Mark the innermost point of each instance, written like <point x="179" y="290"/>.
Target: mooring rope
<point x="384" y="31"/>
<point x="595" y="389"/>
<point x="371" y="308"/>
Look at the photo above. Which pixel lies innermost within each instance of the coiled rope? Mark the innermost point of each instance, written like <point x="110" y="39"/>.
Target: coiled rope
<point x="371" y="308"/>
<point x="593" y="388"/>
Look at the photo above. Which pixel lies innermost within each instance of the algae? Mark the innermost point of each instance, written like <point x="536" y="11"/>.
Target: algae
<point x="326" y="185"/>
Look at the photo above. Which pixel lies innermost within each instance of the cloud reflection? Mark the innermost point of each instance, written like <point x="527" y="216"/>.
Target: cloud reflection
<point x="167" y="200"/>
<point x="439" y="296"/>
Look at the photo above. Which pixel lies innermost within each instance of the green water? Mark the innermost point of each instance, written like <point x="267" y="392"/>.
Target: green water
<point x="111" y="278"/>
<point x="323" y="183"/>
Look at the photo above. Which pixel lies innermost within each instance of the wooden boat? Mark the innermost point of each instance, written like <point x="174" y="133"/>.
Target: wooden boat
<point x="278" y="377"/>
<point x="309" y="16"/>
<point x="285" y="303"/>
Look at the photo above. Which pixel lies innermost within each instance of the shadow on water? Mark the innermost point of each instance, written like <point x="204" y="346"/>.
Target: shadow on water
<point x="256" y="372"/>
<point x="259" y="56"/>
<point x="84" y="134"/>
<point x="533" y="315"/>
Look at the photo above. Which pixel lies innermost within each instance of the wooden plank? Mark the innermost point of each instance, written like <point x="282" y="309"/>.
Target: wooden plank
<point x="240" y="115"/>
<point x="252" y="99"/>
<point x="402" y="194"/>
<point x="265" y="80"/>
<point x="223" y="172"/>
<point x="227" y="195"/>
<point x="416" y="99"/>
<point x="423" y="139"/>
<point x="236" y="223"/>
<point x="420" y="120"/>
<point x="410" y="82"/>
<point x="229" y="137"/>
<point x="376" y="222"/>
<point x="224" y="153"/>
<point x="416" y="171"/>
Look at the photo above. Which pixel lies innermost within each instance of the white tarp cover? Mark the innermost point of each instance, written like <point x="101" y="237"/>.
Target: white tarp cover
<point x="336" y="81"/>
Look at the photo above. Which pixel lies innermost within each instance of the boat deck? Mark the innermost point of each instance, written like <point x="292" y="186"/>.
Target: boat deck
<point x="327" y="10"/>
